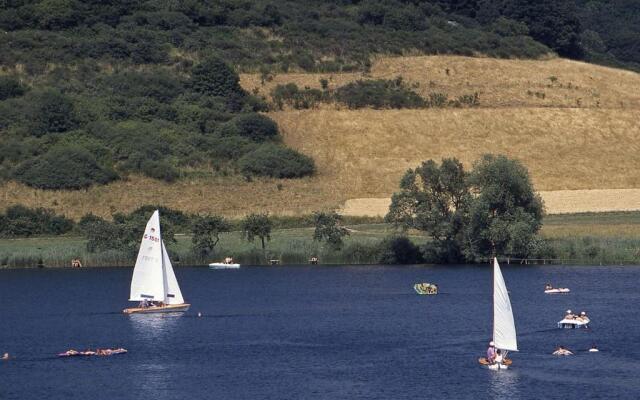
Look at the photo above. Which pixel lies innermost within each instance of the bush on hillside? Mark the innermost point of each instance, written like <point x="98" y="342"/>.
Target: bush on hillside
<point x="162" y="170"/>
<point x="11" y="87"/>
<point x="63" y="168"/>
<point x="48" y="111"/>
<point x="231" y="148"/>
<point x="292" y="96"/>
<point x="276" y="162"/>
<point x="215" y="78"/>
<point x="378" y="94"/>
<point x="22" y="221"/>
<point x="256" y="127"/>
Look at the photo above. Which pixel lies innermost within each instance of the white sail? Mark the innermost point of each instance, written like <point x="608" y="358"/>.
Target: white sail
<point x="504" y="329"/>
<point x="148" y="276"/>
<point x="174" y="296"/>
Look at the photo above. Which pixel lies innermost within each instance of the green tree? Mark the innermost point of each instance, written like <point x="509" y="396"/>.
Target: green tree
<point x="206" y="233"/>
<point x="215" y="78"/>
<point x="11" y="87"/>
<point x="434" y="199"/>
<point x="257" y="225"/>
<point x="328" y="228"/>
<point x="470" y="216"/>
<point x="506" y="213"/>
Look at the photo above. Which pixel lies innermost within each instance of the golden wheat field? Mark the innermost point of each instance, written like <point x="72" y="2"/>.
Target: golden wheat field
<point x="584" y="133"/>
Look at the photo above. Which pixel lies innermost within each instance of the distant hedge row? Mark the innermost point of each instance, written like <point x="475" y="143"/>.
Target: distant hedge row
<point x="374" y="93"/>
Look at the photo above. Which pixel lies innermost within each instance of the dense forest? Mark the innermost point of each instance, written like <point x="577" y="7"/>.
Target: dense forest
<point x="91" y="91"/>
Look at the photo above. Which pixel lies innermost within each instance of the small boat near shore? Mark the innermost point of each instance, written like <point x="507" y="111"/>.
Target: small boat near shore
<point x="226" y="264"/>
<point x="571" y="321"/>
<point x="97" y="352"/>
<point x="426" y="288"/>
<point x="548" y="289"/>
<point x="154" y="284"/>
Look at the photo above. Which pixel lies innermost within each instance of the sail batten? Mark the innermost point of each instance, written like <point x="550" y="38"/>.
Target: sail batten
<point x="504" y="328"/>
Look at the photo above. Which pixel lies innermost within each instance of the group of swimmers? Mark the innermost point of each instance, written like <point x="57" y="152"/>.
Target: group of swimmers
<point x="563" y="351"/>
<point x="97" y="352"/>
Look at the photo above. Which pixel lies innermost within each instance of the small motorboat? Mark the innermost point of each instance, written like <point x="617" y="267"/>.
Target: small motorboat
<point x="426" y="288"/>
<point x="557" y="290"/>
<point x="574" y="323"/>
<point x="226" y="264"/>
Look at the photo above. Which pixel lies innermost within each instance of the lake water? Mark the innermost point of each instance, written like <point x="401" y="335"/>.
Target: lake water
<point x="318" y="333"/>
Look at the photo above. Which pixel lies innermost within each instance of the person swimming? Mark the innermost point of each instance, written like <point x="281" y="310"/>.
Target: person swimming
<point x="562" y="351"/>
<point x="6" y="356"/>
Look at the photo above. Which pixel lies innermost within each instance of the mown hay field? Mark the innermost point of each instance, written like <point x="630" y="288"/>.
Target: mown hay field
<point x="584" y="133"/>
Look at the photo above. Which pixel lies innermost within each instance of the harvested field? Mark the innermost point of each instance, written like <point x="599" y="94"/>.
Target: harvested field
<point x="556" y="202"/>
<point x="500" y="83"/>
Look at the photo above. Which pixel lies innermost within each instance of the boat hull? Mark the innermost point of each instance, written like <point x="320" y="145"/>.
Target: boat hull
<point x="223" y="266"/>
<point x="495" y="366"/>
<point x="169" y="308"/>
<point x="556" y="291"/>
<point x="573" y="324"/>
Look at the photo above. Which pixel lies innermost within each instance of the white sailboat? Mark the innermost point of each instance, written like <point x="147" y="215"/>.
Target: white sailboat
<point x="154" y="283"/>
<point x="504" y="328"/>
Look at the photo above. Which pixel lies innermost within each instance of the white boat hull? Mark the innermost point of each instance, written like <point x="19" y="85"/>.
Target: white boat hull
<point x="494" y="366"/>
<point x="497" y="367"/>
<point x="573" y="323"/>
<point x="558" y="290"/>
<point x="170" y="308"/>
<point x="223" y="266"/>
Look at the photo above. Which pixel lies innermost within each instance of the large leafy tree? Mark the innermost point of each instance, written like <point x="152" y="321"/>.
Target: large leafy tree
<point x="470" y="216"/>
<point x="434" y="198"/>
<point x="505" y="214"/>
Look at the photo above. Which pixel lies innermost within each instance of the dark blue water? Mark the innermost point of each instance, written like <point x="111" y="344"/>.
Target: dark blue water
<point x="318" y="333"/>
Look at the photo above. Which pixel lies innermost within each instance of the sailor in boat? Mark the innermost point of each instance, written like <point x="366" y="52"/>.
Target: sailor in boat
<point x="569" y="315"/>
<point x="491" y="353"/>
<point x="498" y="359"/>
<point x="548" y="286"/>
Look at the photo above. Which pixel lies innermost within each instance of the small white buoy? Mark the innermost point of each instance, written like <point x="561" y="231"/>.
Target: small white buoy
<point x="199" y="314"/>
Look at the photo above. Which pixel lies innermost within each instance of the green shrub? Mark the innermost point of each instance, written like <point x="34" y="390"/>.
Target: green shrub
<point x="256" y="127"/>
<point x="63" y="168"/>
<point x="162" y="170"/>
<point x="22" y="221"/>
<point x="11" y="87"/>
<point x="276" y="162"/>
<point x="48" y="111"/>
<point x="378" y="94"/>
<point x="291" y="95"/>
<point x="215" y="78"/>
<point x="399" y="250"/>
<point x="231" y="148"/>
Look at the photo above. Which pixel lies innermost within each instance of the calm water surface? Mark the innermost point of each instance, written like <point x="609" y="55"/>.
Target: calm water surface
<point x="318" y="333"/>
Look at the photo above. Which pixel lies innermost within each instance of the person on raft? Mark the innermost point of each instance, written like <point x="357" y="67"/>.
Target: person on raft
<point x="562" y="351"/>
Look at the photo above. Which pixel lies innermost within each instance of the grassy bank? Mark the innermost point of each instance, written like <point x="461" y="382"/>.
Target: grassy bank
<point x="607" y="238"/>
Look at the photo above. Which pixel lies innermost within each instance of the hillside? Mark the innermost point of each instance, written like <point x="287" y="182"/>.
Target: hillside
<point x="582" y="134"/>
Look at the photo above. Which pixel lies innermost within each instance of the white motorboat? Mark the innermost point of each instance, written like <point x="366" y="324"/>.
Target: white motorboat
<point x="557" y="290"/>
<point x="222" y="265"/>
<point x="226" y="264"/>
<point x="154" y="283"/>
<point x="504" y="327"/>
<point x="574" y="323"/>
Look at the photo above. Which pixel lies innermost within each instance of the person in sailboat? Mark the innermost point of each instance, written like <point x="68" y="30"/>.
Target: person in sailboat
<point x="491" y="353"/>
<point x="569" y="315"/>
<point x="498" y="359"/>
